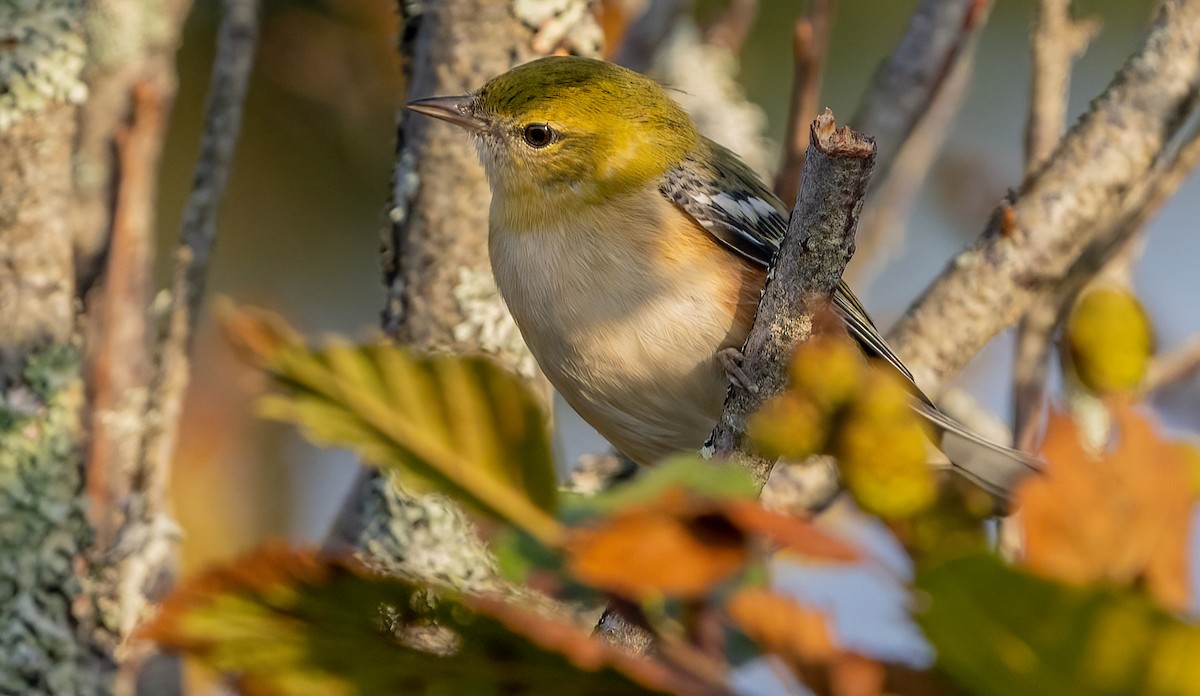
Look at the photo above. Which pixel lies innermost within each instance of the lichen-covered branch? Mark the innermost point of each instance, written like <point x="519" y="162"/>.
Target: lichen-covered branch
<point x="440" y="293"/>
<point x="804" y="275"/>
<point x="134" y="559"/>
<point x="1030" y="243"/>
<point x="42" y="650"/>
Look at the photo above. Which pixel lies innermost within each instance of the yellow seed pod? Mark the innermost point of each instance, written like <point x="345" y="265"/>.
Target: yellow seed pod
<point x="788" y="426"/>
<point x="829" y="370"/>
<point x="882" y="449"/>
<point x="1110" y="340"/>
<point x="885" y="395"/>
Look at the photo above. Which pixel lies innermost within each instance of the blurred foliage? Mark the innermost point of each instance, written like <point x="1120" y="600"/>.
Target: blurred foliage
<point x="297" y="624"/>
<point x="1091" y="607"/>
<point x="839" y="404"/>
<point x="1000" y="631"/>
<point x="459" y="425"/>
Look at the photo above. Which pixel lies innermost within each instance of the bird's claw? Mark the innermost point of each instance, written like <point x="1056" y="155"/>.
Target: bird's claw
<point x="731" y="360"/>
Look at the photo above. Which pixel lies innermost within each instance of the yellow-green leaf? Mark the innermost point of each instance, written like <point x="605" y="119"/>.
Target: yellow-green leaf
<point x="457" y="424"/>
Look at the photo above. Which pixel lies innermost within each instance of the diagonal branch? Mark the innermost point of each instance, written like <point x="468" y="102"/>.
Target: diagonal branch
<point x="1033" y="241"/>
<point x="914" y="74"/>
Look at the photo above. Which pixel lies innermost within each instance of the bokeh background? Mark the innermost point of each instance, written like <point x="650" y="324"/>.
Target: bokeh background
<point x="299" y="232"/>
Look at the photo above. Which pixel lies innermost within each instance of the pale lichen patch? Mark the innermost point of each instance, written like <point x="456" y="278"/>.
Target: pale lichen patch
<point x="42" y="54"/>
<point x="487" y="323"/>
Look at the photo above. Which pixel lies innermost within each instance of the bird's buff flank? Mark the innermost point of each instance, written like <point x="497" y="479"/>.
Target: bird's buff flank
<point x="631" y="252"/>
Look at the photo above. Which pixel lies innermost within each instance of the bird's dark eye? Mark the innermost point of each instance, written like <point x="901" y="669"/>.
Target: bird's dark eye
<point x="539" y="134"/>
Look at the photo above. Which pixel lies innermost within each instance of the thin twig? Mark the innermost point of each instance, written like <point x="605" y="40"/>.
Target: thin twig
<point x="890" y="202"/>
<point x="1030" y="244"/>
<point x="119" y="340"/>
<point x="810" y="46"/>
<point x="914" y="73"/>
<point x="804" y="274"/>
<point x="1056" y="42"/>
<point x="237" y="40"/>
<point x="1179" y="365"/>
<point x="734" y="25"/>
<point x="646" y="34"/>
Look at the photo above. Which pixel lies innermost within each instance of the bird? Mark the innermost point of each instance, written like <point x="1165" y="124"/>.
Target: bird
<point x="632" y="251"/>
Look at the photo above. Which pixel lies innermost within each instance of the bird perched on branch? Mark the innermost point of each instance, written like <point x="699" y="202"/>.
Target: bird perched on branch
<point x="632" y="252"/>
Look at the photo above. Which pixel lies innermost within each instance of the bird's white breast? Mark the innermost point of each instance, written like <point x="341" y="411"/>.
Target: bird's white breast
<point x="627" y="336"/>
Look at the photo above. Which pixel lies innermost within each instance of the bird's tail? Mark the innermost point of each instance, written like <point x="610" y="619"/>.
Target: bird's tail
<point x="993" y="467"/>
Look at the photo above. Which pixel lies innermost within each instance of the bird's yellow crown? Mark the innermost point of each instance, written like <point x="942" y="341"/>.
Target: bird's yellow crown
<point x="566" y="126"/>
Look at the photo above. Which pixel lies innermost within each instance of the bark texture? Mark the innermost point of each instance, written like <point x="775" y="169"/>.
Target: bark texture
<point x="802" y="278"/>
<point x="44" y="528"/>
<point x="440" y="292"/>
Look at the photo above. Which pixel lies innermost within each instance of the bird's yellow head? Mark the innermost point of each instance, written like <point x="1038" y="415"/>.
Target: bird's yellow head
<point x="565" y="128"/>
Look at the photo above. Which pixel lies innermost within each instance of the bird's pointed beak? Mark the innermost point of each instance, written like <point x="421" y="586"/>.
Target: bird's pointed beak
<point x="456" y="110"/>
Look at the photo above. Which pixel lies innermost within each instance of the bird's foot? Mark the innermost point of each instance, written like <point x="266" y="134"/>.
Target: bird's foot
<point x="731" y="360"/>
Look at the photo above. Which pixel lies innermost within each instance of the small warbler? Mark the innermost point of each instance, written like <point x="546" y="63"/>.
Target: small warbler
<point x="632" y="251"/>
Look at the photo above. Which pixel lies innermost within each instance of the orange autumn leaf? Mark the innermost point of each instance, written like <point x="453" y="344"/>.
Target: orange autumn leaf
<point x="854" y="674"/>
<point x="673" y="547"/>
<point x="791" y="533"/>
<point x="681" y="544"/>
<point x="782" y="626"/>
<point x="1119" y="517"/>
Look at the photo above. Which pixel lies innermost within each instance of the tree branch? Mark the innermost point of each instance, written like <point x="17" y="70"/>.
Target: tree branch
<point x="45" y="526"/>
<point x="1031" y="243"/>
<point x="440" y="292"/>
<point x="803" y="276"/>
<point x="810" y="46"/>
<point x="910" y="79"/>
<point x="1056" y="42"/>
<point x="138" y="565"/>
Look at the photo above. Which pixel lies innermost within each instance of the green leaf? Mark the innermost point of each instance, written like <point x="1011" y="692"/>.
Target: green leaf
<point x="296" y="624"/>
<point x="457" y="424"/>
<point x="703" y="478"/>
<point x="1000" y="631"/>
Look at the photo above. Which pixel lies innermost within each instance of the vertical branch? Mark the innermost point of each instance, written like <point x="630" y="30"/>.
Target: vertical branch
<point x="810" y="46"/>
<point x="237" y="40"/>
<point x="138" y="566"/>
<point x="440" y="292"/>
<point x="1056" y="42"/>
<point x="45" y="529"/>
<point x="803" y="276"/>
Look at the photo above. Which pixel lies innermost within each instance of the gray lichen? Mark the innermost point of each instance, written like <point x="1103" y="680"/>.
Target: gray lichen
<point x="42" y="55"/>
<point x="43" y="529"/>
<point x="424" y="536"/>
